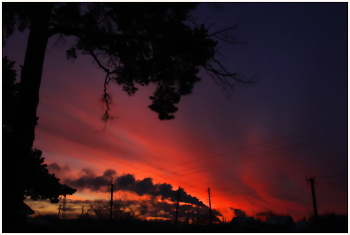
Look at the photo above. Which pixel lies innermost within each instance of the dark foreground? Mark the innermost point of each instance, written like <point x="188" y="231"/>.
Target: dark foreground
<point x="138" y="226"/>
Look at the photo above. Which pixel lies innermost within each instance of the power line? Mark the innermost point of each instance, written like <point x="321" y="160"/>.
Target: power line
<point x="247" y="159"/>
<point x="249" y="147"/>
<point x="269" y="179"/>
<point x="251" y="157"/>
<point x="265" y="179"/>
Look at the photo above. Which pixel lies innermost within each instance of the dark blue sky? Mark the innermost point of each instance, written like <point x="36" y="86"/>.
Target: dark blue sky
<point x="299" y="54"/>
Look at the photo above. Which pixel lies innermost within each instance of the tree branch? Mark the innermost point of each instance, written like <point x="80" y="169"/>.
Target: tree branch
<point x="226" y="29"/>
<point x="98" y="62"/>
<point x="106" y="98"/>
<point x="74" y="31"/>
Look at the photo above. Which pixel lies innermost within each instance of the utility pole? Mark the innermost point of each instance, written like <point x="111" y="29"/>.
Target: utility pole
<point x="210" y="214"/>
<point x="177" y="207"/>
<point x="192" y="217"/>
<point x="111" y="203"/>
<point x="187" y="218"/>
<point x="64" y="205"/>
<point x="59" y="211"/>
<point x="312" y="180"/>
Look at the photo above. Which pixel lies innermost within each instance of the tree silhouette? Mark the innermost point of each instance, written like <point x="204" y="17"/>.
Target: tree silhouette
<point x="135" y="44"/>
<point x="38" y="183"/>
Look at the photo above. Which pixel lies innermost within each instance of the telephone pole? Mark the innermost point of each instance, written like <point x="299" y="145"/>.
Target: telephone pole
<point x="210" y="214"/>
<point x="177" y="207"/>
<point x="59" y="211"/>
<point x="111" y="203"/>
<point x="312" y="180"/>
<point x="64" y="206"/>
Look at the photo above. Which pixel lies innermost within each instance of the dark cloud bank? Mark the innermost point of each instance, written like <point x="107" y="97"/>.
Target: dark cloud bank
<point x="127" y="182"/>
<point x="54" y="168"/>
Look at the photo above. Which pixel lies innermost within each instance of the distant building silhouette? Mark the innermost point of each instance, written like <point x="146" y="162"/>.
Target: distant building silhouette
<point x="279" y="223"/>
<point x="280" y="220"/>
<point x="243" y="224"/>
<point x="25" y="211"/>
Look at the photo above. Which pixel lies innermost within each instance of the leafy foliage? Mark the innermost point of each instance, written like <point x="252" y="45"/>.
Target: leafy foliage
<point x="41" y="184"/>
<point x="14" y="16"/>
<point x="141" y="43"/>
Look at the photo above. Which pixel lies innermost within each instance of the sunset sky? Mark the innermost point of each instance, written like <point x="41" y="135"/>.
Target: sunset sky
<point x="255" y="150"/>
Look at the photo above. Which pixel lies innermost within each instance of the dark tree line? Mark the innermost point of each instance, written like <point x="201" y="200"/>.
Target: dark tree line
<point x="135" y="44"/>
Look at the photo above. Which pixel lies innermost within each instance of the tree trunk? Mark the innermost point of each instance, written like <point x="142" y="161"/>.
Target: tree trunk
<point x="25" y="120"/>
